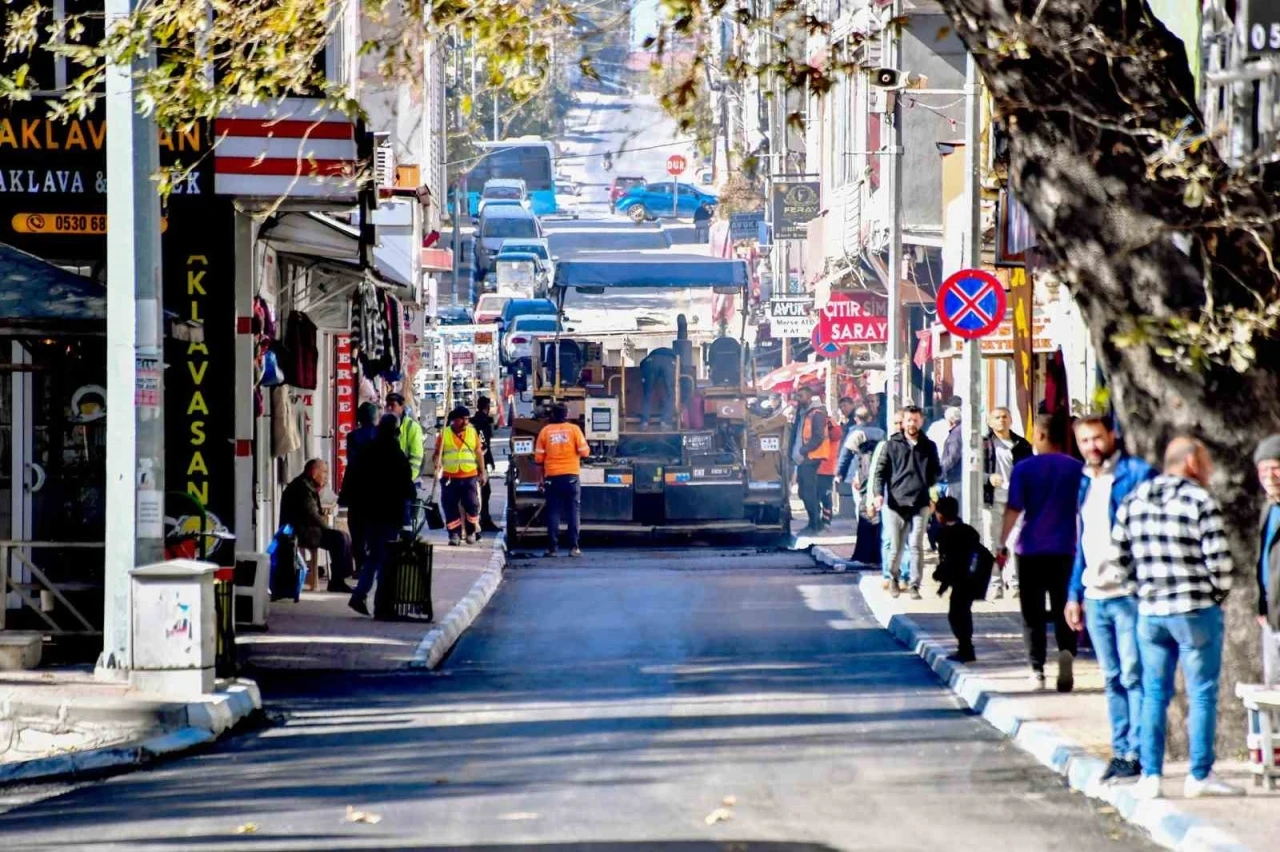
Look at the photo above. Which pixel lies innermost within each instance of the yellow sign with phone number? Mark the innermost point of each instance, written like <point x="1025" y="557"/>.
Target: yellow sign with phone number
<point x="66" y="223"/>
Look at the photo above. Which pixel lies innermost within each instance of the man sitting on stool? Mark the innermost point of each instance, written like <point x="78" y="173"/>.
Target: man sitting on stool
<point x="658" y="367"/>
<point x="300" y="508"/>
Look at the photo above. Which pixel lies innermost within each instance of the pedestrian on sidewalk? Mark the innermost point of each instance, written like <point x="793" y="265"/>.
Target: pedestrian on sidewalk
<point x="300" y="508"/>
<point x="939" y="429"/>
<point x="909" y="470"/>
<point x="410" y="433"/>
<point x="809" y="446"/>
<point x="951" y="455"/>
<point x="1267" y="459"/>
<point x="1002" y="449"/>
<point x="1169" y="540"/>
<point x="702" y="223"/>
<point x="964" y="566"/>
<point x="560" y="449"/>
<point x="483" y="421"/>
<point x="857" y="444"/>
<point x="379" y="485"/>
<point x="1043" y="490"/>
<point x="1099" y="596"/>
<point x="872" y="545"/>
<point x="827" y="472"/>
<point x="459" y="461"/>
<point x="363" y="435"/>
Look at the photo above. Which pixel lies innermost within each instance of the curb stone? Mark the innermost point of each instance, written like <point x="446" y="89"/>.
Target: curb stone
<point x="234" y="702"/>
<point x="1167" y="825"/>
<point x="441" y="638"/>
<point x="826" y="556"/>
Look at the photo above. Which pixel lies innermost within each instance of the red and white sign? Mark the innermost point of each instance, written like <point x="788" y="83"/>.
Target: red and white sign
<point x="676" y="164"/>
<point x="294" y="147"/>
<point x="854" y="318"/>
<point x="344" y="409"/>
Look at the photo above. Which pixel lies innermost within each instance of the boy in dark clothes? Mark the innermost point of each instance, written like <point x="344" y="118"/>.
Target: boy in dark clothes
<point x="964" y="566"/>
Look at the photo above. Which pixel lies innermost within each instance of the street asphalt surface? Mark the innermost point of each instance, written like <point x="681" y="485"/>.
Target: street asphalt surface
<point x="669" y="699"/>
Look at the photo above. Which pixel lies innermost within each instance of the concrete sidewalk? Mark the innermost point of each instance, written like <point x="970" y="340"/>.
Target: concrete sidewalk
<point x="1068" y="732"/>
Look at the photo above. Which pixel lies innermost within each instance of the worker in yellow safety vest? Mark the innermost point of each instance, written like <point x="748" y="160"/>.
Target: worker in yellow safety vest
<point x="459" y="461"/>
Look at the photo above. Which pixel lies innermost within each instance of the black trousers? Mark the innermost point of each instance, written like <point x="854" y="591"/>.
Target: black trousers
<point x="1038" y="577"/>
<point x="807" y="483"/>
<point x="486" y="490"/>
<point x="338" y="545"/>
<point x="826" y="489"/>
<point x="960" y="617"/>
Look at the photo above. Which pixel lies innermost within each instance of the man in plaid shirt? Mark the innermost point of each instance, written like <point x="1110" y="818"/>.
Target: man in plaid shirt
<point x="1169" y="539"/>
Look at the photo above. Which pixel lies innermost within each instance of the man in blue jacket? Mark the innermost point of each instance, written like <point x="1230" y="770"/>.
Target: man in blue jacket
<point x="1099" y="597"/>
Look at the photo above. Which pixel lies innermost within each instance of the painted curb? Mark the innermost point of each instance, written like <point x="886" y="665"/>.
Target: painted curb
<point x="1168" y="826"/>
<point x="441" y="638"/>
<point x="234" y="702"/>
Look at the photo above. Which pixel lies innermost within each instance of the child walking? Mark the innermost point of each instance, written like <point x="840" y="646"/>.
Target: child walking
<point x="964" y="566"/>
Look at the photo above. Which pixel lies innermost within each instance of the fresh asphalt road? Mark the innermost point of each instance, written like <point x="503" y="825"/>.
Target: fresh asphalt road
<point x="613" y="703"/>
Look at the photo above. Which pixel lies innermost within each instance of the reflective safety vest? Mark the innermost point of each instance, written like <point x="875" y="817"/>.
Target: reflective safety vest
<point x="832" y="446"/>
<point x="458" y="452"/>
<point x="823" y="450"/>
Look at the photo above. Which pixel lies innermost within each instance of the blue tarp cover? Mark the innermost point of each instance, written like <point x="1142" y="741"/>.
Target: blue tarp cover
<point x="33" y="290"/>
<point x="636" y="269"/>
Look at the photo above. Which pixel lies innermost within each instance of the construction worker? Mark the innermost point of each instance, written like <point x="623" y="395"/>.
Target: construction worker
<point x="559" y="450"/>
<point x="827" y="471"/>
<point x="459" y="460"/>
<point x="809" y="448"/>
<point x="410" y="434"/>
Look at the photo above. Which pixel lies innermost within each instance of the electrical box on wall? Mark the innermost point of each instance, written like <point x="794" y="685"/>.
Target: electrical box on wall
<point x="600" y="420"/>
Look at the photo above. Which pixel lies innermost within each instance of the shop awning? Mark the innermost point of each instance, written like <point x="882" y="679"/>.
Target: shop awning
<point x="786" y="379"/>
<point x="637" y="269"/>
<point x="34" y="292"/>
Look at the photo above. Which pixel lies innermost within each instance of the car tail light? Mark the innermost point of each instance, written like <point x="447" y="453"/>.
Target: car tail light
<point x="519" y="340"/>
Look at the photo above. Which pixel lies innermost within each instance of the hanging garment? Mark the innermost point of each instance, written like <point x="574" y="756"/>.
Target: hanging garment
<point x="303" y="353"/>
<point x="285" y="437"/>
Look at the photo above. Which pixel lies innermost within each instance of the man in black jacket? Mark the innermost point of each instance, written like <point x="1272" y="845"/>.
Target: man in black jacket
<point x="908" y="469"/>
<point x="483" y="421"/>
<point x="1001" y="450"/>
<point x="300" y="508"/>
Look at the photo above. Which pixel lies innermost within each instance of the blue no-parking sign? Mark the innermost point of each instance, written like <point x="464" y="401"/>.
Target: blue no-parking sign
<point x="971" y="303"/>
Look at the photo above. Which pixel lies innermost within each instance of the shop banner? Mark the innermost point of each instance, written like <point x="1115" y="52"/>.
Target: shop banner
<point x="791" y="316"/>
<point x="344" y="409"/>
<point x="1022" y="343"/>
<point x="854" y="318"/>
<point x="745" y="226"/>
<point x="794" y="206"/>
<point x="53" y="204"/>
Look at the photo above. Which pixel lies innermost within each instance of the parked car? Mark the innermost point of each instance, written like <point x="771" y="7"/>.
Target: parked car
<point x="620" y="186"/>
<point x="489" y="308"/>
<point x="454" y="315"/>
<point x="517" y="343"/>
<point x="565" y="186"/>
<point x="520" y="274"/>
<point x="653" y="200"/>
<point x="497" y="225"/>
<point x="522" y="307"/>
<point x="500" y="190"/>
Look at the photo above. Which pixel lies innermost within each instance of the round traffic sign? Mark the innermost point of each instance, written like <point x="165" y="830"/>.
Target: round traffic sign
<point x="824" y="346"/>
<point x="971" y="303"/>
<point x="675" y="164"/>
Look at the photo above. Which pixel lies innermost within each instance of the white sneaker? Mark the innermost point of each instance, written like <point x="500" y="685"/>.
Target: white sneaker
<point x="1210" y="785"/>
<point x="1147" y="788"/>
<point x="1037" y="680"/>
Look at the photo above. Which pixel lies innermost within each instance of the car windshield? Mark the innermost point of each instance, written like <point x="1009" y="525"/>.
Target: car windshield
<point x="492" y="304"/>
<point x="534" y="324"/>
<point x="502" y="192"/>
<point x="629" y="182"/>
<point x="524" y="248"/>
<point x="510" y="226"/>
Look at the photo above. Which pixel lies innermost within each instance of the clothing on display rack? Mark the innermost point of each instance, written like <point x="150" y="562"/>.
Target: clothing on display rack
<point x="286" y="437"/>
<point x="376" y="332"/>
<point x="303" y="354"/>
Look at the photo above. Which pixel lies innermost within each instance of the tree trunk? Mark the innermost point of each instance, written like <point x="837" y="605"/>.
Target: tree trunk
<point x="1096" y="94"/>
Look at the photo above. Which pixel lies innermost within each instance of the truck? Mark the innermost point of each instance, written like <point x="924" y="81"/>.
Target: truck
<point x="720" y="469"/>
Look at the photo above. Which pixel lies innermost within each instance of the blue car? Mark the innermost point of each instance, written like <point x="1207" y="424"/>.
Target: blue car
<point x="642" y="203"/>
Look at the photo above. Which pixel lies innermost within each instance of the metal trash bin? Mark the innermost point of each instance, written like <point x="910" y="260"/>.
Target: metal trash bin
<point x="225" y="662"/>
<point x="404" y="589"/>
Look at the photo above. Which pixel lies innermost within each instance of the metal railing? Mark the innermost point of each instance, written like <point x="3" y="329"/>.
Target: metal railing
<point x="32" y="593"/>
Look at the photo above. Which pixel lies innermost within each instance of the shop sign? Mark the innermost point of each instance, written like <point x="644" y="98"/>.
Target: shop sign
<point x="854" y="318"/>
<point x="745" y="226"/>
<point x="344" y="409"/>
<point x="794" y="206"/>
<point x="1000" y="341"/>
<point x="791" y="316"/>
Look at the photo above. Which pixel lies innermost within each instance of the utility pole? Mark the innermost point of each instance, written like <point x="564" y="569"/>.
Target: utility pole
<point x="971" y="360"/>
<point x="893" y="395"/>
<point x="135" y="385"/>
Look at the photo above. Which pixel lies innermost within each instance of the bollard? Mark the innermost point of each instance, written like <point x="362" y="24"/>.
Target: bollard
<point x="173" y="627"/>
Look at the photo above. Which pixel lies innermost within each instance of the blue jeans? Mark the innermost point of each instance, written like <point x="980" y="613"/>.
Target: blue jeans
<point x="377" y="544"/>
<point x="1196" y="639"/>
<point x="1113" y="628"/>
<point x="886" y="555"/>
